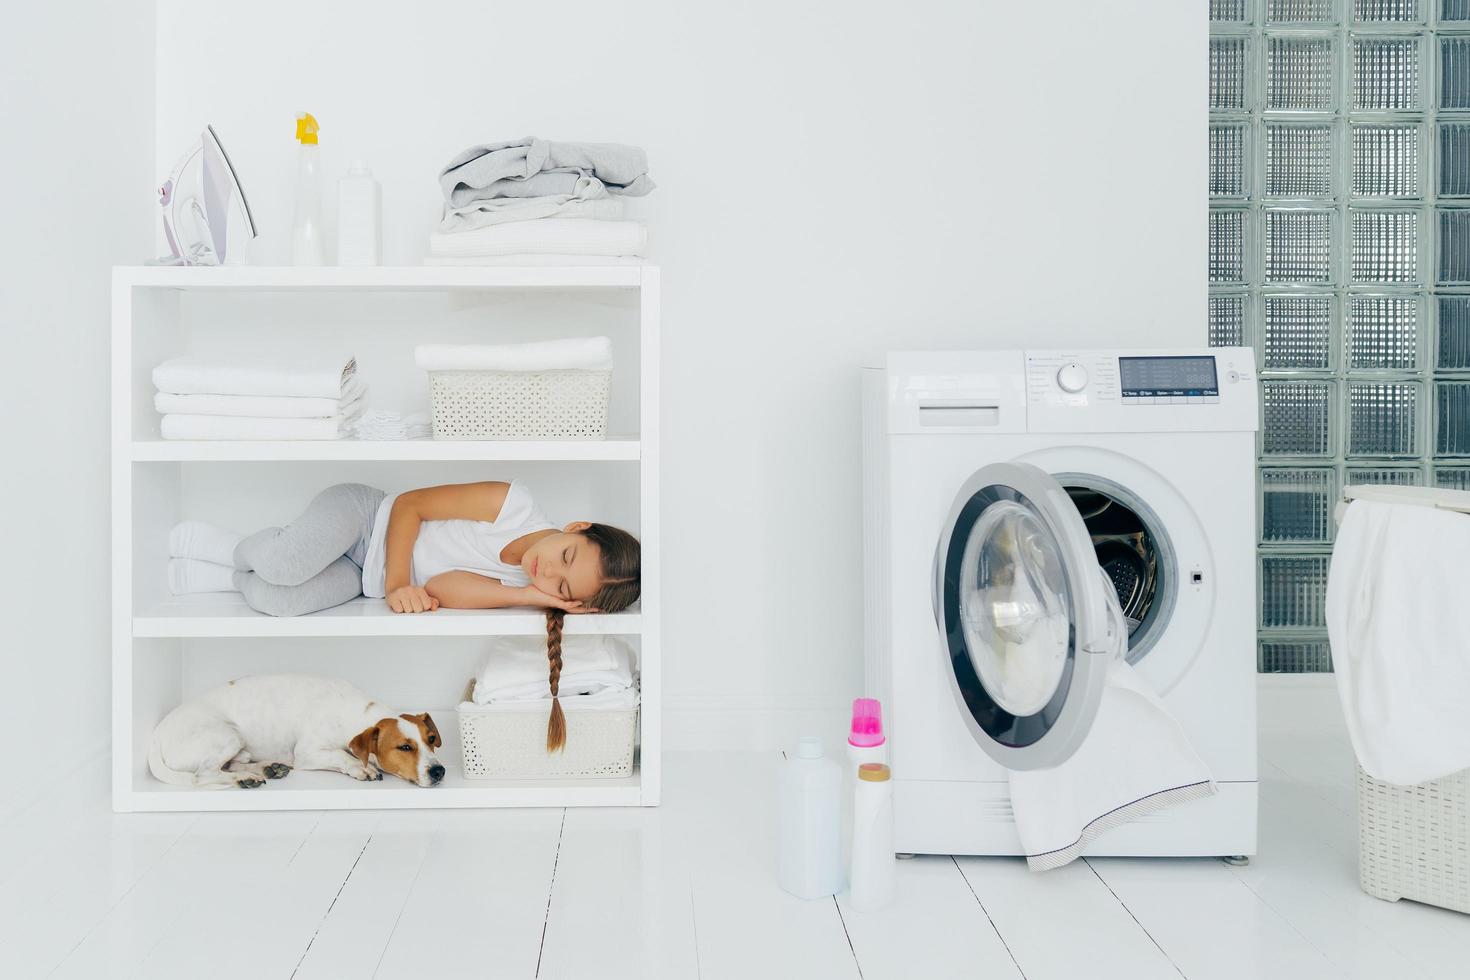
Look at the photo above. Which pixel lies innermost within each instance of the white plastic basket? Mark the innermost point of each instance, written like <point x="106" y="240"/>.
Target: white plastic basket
<point x="508" y="741"/>
<point x="520" y="405"/>
<point x="1414" y="841"/>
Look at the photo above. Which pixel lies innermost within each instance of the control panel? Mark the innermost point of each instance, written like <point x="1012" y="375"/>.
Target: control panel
<point x="998" y="392"/>
<point x="1139" y="391"/>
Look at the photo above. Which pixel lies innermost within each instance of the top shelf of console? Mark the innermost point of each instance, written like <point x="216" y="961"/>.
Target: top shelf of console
<point x="248" y="278"/>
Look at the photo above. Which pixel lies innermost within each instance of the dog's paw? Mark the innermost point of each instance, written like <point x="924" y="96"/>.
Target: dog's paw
<point x="249" y="782"/>
<point x="277" y="770"/>
<point x="365" y="774"/>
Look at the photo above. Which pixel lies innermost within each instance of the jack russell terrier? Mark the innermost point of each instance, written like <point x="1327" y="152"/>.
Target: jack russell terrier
<point x="259" y="728"/>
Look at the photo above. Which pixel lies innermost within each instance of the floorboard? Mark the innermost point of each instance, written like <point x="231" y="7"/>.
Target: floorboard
<point x="685" y="890"/>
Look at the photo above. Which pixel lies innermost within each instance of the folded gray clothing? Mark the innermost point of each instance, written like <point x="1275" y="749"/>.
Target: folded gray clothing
<point x="495" y="170"/>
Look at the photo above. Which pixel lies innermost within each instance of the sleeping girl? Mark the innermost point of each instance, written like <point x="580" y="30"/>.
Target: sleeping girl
<point x="461" y="546"/>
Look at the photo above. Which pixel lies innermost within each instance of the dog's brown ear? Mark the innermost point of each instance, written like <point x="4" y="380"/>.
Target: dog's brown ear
<point x="364" y="743"/>
<point x="429" y="729"/>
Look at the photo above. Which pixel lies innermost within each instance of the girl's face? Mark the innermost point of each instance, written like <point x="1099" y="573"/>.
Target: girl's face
<point x="565" y="564"/>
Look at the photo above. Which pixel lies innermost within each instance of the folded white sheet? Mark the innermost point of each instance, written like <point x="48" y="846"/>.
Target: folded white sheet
<point x="1135" y="760"/>
<point x="294" y="376"/>
<point x="573" y="354"/>
<point x="261" y="406"/>
<point x="610" y="699"/>
<point x="522" y="259"/>
<point x="232" y="428"/>
<point x="377" y="425"/>
<point x="1398" y="622"/>
<point x="544" y="236"/>
<point x="515" y="669"/>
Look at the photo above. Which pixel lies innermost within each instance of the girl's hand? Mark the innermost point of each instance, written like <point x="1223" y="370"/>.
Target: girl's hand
<point x="532" y="596"/>
<point x="411" y="599"/>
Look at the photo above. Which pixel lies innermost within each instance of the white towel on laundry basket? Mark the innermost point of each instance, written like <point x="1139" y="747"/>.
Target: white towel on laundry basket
<point x="515" y="668"/>
<point x="572" y="354"/>
<point x="1134" y="761"/>
<point x="1400" y="632"/>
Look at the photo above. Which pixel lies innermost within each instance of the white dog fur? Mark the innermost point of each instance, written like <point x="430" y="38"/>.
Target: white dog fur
<point x="257" y="728"/>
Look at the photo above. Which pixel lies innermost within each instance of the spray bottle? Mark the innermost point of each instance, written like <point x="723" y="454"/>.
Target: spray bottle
<point x="306" y="229"/>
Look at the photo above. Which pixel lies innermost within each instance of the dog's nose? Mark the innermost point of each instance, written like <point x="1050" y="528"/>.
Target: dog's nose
<point x="436" y="772"/>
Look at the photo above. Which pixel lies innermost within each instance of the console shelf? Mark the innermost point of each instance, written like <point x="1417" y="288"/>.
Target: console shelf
<point x="166" y="649"/>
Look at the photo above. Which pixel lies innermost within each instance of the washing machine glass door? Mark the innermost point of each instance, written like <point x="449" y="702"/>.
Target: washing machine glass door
<point x="1026" y="628"/>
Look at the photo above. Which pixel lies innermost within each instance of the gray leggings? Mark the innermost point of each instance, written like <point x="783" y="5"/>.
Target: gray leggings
<point x="313" y="563"/>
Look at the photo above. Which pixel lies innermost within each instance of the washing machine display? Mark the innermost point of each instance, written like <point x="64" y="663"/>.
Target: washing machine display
<point x="1169" y="377"/>
<point x="1025" y="615"/>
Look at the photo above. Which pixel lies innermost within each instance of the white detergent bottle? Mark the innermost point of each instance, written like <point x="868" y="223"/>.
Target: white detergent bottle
<point x="359" y="210"/>
<point x="808" y="844"/>
<point x="306" y="229"/>
<point x="865" y="743"/>
<point x="874" y="866"/>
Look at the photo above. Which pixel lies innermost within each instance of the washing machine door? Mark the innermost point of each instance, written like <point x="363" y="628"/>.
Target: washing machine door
<point x="1026" y="627"/>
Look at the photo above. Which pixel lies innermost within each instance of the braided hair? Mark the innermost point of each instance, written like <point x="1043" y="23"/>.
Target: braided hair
<point x="621" y="567"/>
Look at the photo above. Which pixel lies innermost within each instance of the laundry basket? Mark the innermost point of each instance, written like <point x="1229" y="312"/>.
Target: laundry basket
<point x="508" y="741"/>
<point x="1414" y="841"/>
<point x="568" y="404"/>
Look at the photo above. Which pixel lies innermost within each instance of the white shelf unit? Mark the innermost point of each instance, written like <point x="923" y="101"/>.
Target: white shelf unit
<point x="166" y="648"/>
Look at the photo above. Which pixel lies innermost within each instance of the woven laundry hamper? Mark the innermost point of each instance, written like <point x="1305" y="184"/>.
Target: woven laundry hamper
<point x="570" y="404"/>
<point x="508" y="741"/>
<point x="1414" y="841"/>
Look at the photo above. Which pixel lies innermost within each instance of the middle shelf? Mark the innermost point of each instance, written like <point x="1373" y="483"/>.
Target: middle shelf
<point x="222" y="615"/>
<point x="409" y="450"/>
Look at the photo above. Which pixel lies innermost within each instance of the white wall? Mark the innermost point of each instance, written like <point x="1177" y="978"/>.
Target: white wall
<point x="77" y="168"/>
<point x="834" y="180"/>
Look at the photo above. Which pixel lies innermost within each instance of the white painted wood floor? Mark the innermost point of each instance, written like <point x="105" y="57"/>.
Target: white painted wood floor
<point x="685" y="890"/>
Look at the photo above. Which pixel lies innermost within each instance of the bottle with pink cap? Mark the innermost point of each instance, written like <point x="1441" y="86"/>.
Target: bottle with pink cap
<point x="865" y="740"/>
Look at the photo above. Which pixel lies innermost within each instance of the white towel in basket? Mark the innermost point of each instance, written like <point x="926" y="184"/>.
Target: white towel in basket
<point x="573" y="354"/>
<point x="515" y="669"/>
<point x="301" y="377"/>
<point x="261" y="406"/>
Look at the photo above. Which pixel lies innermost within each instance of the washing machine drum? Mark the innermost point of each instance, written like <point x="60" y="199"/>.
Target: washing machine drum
<point x="1029" y="620"/>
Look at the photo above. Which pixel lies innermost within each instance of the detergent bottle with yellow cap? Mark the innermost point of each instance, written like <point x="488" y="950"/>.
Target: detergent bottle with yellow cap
<point x="306" y="229"/>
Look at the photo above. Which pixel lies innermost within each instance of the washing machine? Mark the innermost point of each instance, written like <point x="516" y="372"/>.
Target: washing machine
<point x="1141" y="463"/>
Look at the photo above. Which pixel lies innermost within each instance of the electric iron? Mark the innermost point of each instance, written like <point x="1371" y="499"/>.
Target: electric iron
<point x="205" y="215"/>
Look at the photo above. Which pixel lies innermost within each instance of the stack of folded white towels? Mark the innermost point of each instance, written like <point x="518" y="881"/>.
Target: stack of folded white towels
<point x="597" y="671"/>
<point x="236" y="397"/>
<point x="540" y="202"/>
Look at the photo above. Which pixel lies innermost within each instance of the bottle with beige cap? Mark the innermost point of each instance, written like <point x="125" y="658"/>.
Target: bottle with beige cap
<point x="874" y="867"/>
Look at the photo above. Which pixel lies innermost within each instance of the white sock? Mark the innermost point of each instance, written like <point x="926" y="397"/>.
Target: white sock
<point x="196" y="539"/>
<point x="187" y="575"/>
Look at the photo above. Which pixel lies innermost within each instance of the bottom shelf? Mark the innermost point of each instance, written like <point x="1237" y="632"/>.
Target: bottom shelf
<point x="334" y="791"/>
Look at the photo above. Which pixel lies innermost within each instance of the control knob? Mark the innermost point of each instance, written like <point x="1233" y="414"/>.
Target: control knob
<point x="1072" y="377"/>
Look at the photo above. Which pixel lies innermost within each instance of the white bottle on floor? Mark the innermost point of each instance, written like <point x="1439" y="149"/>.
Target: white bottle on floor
<point x="808" y="842"/>
<point x="874" y="866"/>
<point x="359" y="209"/>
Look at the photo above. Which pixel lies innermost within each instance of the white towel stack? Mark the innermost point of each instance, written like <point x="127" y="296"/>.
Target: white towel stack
<point x="547" y="241"/>
<point x="596" y="671"/>
<point x="244" y="398"/>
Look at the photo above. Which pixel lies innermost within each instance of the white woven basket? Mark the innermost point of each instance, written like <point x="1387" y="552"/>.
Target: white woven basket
<point x="1414" y="841"/>
<point x="509" y="741"/>
<point x="520" y="405"/>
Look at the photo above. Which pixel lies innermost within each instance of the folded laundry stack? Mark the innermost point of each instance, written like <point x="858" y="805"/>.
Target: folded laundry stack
<point x="241" y="398"/>
<point x="597" y="671"/>
<point x="535" y="201"/>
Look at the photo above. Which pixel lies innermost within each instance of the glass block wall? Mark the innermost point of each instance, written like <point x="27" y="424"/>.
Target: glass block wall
<point x="1339" y="248"/>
